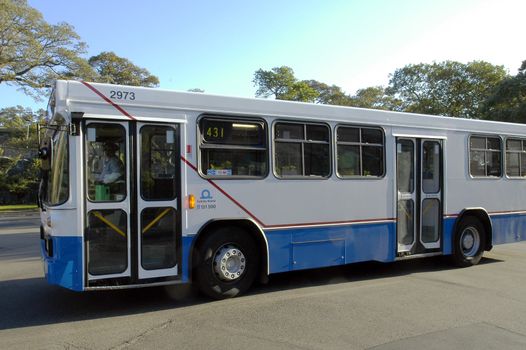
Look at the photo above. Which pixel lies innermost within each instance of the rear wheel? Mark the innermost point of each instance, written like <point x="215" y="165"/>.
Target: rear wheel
<point x="468" y="245"/>
<point x="226" y="263"/>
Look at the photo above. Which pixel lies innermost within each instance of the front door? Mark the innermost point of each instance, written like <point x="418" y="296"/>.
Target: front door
<point x="132" y="230"/>
<point x="419" y="195"/>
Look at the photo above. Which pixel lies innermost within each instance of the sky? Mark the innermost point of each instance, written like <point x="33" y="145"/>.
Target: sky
<point x="218" y="45"/>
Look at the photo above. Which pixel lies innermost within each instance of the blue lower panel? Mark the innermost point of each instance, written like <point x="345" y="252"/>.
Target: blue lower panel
<point x="187" y="246"/>
<point x="64" y="268"/>
<point x="508" y="228"/>
<point x="448" y="235"/>
<point x="295" y="249"/>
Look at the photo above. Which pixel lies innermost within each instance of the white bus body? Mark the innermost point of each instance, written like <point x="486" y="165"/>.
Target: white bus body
<point x="307" y="186"/>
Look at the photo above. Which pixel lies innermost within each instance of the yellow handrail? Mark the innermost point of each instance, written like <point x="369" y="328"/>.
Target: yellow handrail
<point x="154" y="221"/>
<point x="107" y="222"/>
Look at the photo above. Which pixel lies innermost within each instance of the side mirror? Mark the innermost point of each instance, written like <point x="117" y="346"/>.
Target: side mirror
<point x="45" y="155"/>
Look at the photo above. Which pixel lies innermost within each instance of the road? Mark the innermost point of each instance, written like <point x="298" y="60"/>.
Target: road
<point x="404" y="305"/>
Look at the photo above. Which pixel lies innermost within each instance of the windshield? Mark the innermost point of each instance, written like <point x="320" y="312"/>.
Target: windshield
<point x="57" y="179"/>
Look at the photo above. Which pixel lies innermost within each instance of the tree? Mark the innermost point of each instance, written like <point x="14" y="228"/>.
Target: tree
<point x="447" y="88"/>
<point x="19" y="168"/>
<point x="281" y="82"/>
<point x="33" y="52"/>
<point x="374" y="97"/>
<point x="21" y="123"/>
<point x="329" y="94"/>
<point x="278" y="82"/>
<point x="508" y="101"/>
<point x="113" y="69"/>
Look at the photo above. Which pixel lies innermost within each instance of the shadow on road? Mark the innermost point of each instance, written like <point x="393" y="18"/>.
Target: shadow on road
<point x="358" y="272"/>
<point x="32" y="302"/>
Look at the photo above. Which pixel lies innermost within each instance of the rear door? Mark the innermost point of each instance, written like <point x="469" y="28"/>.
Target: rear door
<point x="419" y="170"/>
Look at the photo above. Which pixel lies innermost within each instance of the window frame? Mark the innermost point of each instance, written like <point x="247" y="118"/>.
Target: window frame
<point x="302" y="142"/>
<point x="501" y="151"/>
<point x="201" y="144"/>
<point x="523" y="151"/>
<point x="360" y="144"/>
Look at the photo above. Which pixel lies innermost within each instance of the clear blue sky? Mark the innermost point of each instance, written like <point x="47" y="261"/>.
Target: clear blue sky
<point x="218" y="45"/>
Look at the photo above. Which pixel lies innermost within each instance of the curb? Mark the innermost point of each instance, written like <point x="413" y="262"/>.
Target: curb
<point x="19" y="214"/>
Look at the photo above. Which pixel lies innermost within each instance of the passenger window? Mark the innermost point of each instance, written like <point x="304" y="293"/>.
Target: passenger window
<point x="516" y="158"/>
<point x="158" y="162"/>
<point x="106" y="160"/>
<point x="360" y="151"/>
<point x="485" y="156"/>
<point x="302" y="150"/>
<point x="233" y="147"/>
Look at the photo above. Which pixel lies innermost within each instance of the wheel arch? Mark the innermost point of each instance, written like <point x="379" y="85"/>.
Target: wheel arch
<point x="482" y="215"/>
<point x="247" y="225"/>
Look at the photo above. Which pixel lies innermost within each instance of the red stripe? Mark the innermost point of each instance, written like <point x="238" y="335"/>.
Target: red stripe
<point x="226" y="194"/>
<point x="119" y="108"/>
<point x="520" y="212"/>
<point x="330" y="223"/>
<point x="283" y="225"/>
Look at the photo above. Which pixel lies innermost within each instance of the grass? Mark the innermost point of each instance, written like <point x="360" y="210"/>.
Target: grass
<point x="18" y="207"/>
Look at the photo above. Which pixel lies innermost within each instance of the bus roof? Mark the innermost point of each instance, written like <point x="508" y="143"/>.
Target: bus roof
<point x="115" y="101"/>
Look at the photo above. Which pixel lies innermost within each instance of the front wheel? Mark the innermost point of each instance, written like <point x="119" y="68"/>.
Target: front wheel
<point x="468" y="245"/>
<point x="226" y="263"/>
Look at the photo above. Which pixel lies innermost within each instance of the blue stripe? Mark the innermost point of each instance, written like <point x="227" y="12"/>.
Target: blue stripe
<point x="64" y="268"/>
<point x="508" y="228"/>
<point x="186" y="249"/>
<point x="303" y="248"/>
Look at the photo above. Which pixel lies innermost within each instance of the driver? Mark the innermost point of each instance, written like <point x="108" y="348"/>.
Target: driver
<point x="112" y="167"/>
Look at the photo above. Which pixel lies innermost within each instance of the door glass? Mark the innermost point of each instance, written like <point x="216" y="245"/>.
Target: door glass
<point x="158" y="162"/>
<point x="158" y="238"/>
<point x="106" y="160"/>
<point x="430" y="215"/>
<point x="107" y="242"/>
<point x="405" y="166"/>
<point x="431" y="167"/>
<point x="405" y="222"/>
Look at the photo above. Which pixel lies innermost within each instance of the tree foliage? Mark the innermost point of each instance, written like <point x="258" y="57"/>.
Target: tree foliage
<point x="19" y="168"/>
<point x="374" y="97"/>
<point x="113" y="69"/>
<point x="508" y="100"/>
<point x="33" y="52"/>
<point x="446" y="88"/>
<point x="278" y="82"/>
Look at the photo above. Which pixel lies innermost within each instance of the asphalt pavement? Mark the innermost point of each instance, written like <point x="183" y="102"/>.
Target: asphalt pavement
<point x="403" y="305"/>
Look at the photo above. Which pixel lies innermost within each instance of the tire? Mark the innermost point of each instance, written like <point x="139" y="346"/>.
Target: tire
<point x="226" y="263"/>
<point x="469" y="242"/>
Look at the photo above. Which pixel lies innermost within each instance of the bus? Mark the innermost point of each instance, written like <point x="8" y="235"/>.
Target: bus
<point x="148" y="187"/>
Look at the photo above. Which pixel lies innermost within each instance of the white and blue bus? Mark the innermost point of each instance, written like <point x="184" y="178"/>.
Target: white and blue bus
<point x="145" y="187"/>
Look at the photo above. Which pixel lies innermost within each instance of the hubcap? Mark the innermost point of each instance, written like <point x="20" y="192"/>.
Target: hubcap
<point x="470" y="241"/>
<point x="229" y="263"/>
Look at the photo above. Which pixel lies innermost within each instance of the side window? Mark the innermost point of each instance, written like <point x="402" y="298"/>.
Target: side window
<point x="516" y="158"/>
<point x="106" y="160"/>
<point x="58" y="176"/>
<point x="302" y="150"/>
<point x="233" y="147"/>
<point x="360" y="152"/>
<point x="485" y="156"/>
